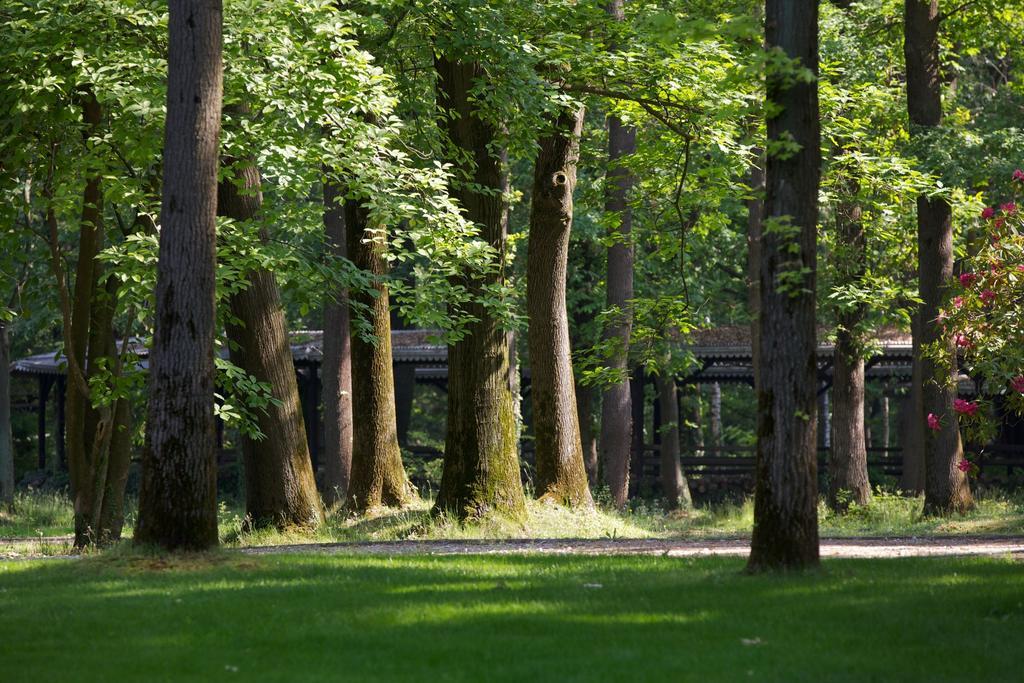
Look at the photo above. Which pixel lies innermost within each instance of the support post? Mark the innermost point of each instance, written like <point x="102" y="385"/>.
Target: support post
<point x="45" y="382"/>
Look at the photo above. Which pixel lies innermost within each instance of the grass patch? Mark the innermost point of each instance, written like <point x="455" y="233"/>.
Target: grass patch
<point x="38" y="513"/>
<point x="123" y="616"/>
<point x="48" y="514"/>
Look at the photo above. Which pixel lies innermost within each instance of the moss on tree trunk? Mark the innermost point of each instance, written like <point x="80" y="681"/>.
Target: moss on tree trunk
<point x="280" y="488"/>
<point x="481" y="464"/>
<point x="378" y="476"/>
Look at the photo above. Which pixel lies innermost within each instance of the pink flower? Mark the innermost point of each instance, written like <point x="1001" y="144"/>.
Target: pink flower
<point x="1020" y="267"/>
<point x="1018" y="384"/>
<point x="962" y="341"/>
<point x="1008" y="207"/>
<point x="933" y="422"/>
<point x="968" y="408"/>
<point x="987" y="297"/>
<point x="958" y="301"/>
<point x="964" y="466"/>
<point x="998" y="223"/>
<point x="967" y="279"/>
<point x="988" y="212"/>
<point x="1018" y="176"/>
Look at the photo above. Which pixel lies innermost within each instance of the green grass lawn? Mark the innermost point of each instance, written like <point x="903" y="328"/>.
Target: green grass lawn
<point x="223" y="617"/>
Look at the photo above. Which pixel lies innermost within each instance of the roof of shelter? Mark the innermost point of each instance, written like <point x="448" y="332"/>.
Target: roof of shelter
<point x="407" y="346"/>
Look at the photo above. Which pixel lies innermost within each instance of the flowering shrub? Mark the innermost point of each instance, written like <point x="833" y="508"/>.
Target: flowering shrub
<point x="984" y="314"/>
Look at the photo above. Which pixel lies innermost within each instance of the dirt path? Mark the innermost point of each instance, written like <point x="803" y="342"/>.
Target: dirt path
<point x="833" y="547"/>
<point x="56" y="548"/>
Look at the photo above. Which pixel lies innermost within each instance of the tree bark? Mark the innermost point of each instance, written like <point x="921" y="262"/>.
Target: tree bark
<point x="481" y="464"/>
<point x="585" y="413"/>
<point x="848" y="455"/>
<point x="336" y="369"/>
<point x="6" y="444"/>
<point x="178" y="496"/>
<point x="946" y="489"/>
<point x="378" y="476"/>
<point x="716" y="417"/>
<point x="755" y="219"/>
<point x="785" y="501"/>
<point x="673" y="482"/>
<point x="280" y="488"/>
<point x="616" y="402"/>
<point x="561" y="475"/>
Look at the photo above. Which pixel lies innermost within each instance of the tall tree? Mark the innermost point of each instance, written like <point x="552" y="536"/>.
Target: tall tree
<point x="848" y="456"/>
<point x="673" y="482"/>
<point x="561" y="475"/>
<point x="378" y="476"/>
<point x="946" y="488"/>
<point x="616" y="402"/>
<point x="786" y="492"/>
<point x="98" y="447"/>
<point x="280" y="489"/>
<point x="481" y="464"/>
<point x="178" y="496"/>
<point x="6" y="445"/>
<point x="336" y="369"/>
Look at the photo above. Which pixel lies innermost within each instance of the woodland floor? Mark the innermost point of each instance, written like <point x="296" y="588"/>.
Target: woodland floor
<point x="307" y="617"/>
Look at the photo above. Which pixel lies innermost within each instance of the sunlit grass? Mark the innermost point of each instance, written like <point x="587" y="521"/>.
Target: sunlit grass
<point x="129" y="615"/>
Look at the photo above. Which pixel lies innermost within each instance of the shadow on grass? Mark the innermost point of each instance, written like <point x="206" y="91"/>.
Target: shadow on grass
<point x="306" y="617"/>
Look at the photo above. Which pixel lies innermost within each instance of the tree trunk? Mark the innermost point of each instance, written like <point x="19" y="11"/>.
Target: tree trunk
<point x="561" y="475"/>
<point x="673" y="483"/>
<point x="6" y="444"/>
<point x="885" y="423"/>
<point x="80" y="416"/>
<point x="336" y="369"/>
<point x="755" y="218"/>
<point x="178" y="496"/>
<point x="946" y="488"/>
<point x="912" y="438"/>
<point x="616" y="402"/>
<point x="378" y="476"/>
<point x="716" y="417"/>
<point x="481" y="464"/>
<point x="785" y="500"/>
<point x="280" y="488"/>
<point x="848" y="455"/>
<point x="585" y="413"/>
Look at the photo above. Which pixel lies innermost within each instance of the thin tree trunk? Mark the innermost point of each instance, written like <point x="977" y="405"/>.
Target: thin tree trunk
<point x="755" y="218"/>
<point x="280" y="488"/>
<point x="786" y="492"/>
<point x="616" y="402"/>
<point x="481" y="464"/>
<point x="6" y="444"/>
<point x="178" y="496"/>
<point x="561" y="475"/>
<point x="336" y="369"/>
<point x="673" y="482"/>
<point x="378" y="476"/>
<point x="585" y="412"/>
<point x="886" y="426"/>
<point x="80" y="417"/>
<point x="716" y="417"/>
<point x="912" y="438"/>
<point x="946" y="487"/>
